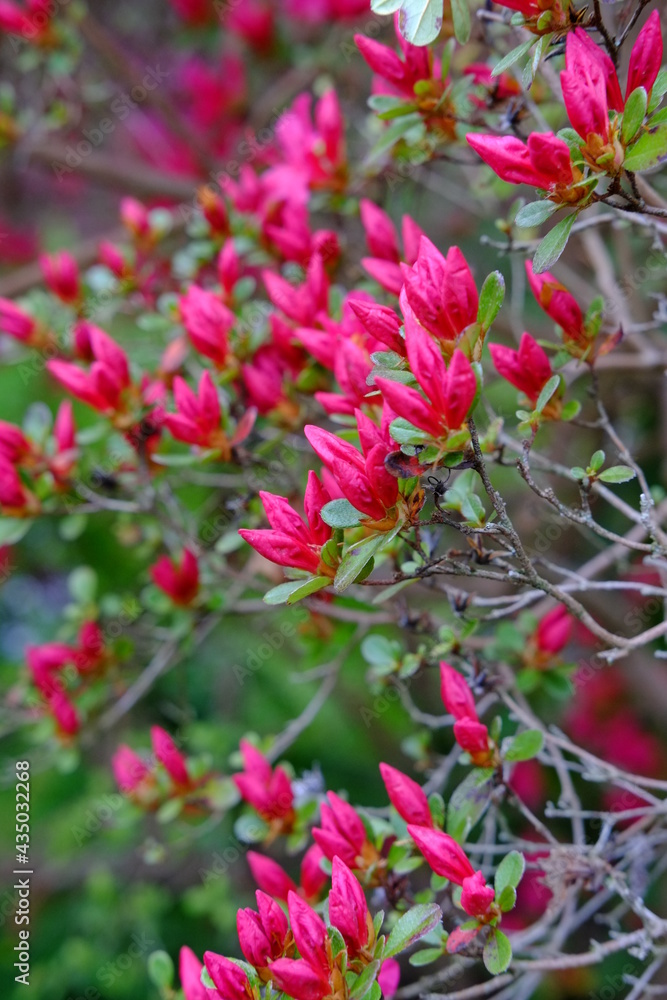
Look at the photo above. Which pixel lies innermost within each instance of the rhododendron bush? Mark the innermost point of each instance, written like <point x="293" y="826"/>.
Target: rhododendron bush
<point x="333" y="545"/>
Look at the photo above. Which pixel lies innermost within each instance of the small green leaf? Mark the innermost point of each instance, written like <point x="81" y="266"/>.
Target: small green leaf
<point x="553" y="245"/>
<point x="161" y="969"/>
<point x="425" y="957"/>
<point x="358" y="556"/>
<point x="378" y="650"/>
<point x="461" y="20"/>
<point x="597" y="460"/>
<point x="392" y="134"/>
<point x="535" y="213"/>
<point x="506" y="900"/>
<point x="497" y="953"/>
<point x="523" y="746"/>
<point x="617" y="474"/>
<point x="490" y="299"/>
<point x="512" y="57"/>
<point x="468" y="802"/>
<point x="295" y="590"/>
<point x="421" y="20"/>
<point x="548" y="390"/>
<point x="12" y="529"/>
<point x="578" y="472"/>
<point x="570" y="410"/>
<point x="472" y="509"/>
<point x="363" y="983"/>
<point x="206" y="980"/>
<point x="386" y="6"/>
<point x="340" y="514"/>
<point x="337" y="941"/>
<point x="633" y="114"/>
<point x="82" y="584"/>
<point x="509" y="872"/>
<point x="649" y="151"/>
<point x="403" y="432"/>
<point x="412" y="926"/>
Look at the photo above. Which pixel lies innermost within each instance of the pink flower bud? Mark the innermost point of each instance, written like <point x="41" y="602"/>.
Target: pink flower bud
<point x="297" y="979"/>
<point x="348" y="910"/>
<point x="444" y="856"/>
<point x="406" y="796"/>
<point x="456" y="695"/>
<point x="15" y="322"/>
<point x="310" y="935"/>
<point x="270" y="876"/>
<point x="179" y="581"/>
<point x="473" y="737"/>
<point x="169" y="756"/>
<point x="61" y="274"/>
<point x="528" y="369"/>
<point x="476" y="896"/>
<point x="64" y="713"/>
<point x="207" y="321"/>
<point x="190" y="969"/>
<point x="230" y="979"/>
<point x="129" y="769"/>
<point x="554" y="631"/>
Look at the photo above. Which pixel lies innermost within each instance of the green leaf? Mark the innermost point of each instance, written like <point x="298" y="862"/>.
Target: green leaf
<point x="206" y="980"/>
<point x="597" y="460"/>
<point x="82" y="584"/>
<point x="649" y="151"/>
<point x="553" y="245"/>
<point x="617" y="474"/>
<point x="507" y="899"/>
<point x="413" y="925"/>
<point x="421" y="20"/>
<point x="295" y="590"/>
<point x="378" y="650"/>
<point x="497" y="952"/>
<point x="468" y="802"/>
<point x="633" y="114"/>
<point x="340" y="514"/>
<point x="570" y="410"/>
<point x="425" y="957"/>
<point x="161" y="969"/>
<point x="363" y="983"/>
<point x="472" y="509"/>
<point x="386" y="6"/>
<point x="357" y="557"/>
<point x="392" y="134"/>
<point x="490" y="299"/>
<point x="12" y="529"/>
<point x="461" y="19"/>
<point x="548" y="390"/>
<point x="512" y="57"/>
<point x="509" y="872"/>
<point x="578" y="472"/>
<point x="403" y="432"/>
<point x="535" y="213"/>
<point x="524" y="746"/>
<point x="337" y="941"/>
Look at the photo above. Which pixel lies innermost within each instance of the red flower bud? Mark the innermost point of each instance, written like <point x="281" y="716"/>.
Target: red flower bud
<point x="456" y="695"/>
<point x="179" y="581"/>
<point x="129" y="769"/>
<point x="189" y="970"/>
<point x="348" y="910"/>
<point x="169" y="756"/>
<point x="406" y="796"/>
<point x="476" y="896"/>
<point x="231" y="981"/>
<point x="443" y="854"/>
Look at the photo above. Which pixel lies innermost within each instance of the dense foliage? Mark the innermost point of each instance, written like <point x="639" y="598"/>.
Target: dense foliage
<point x="332" y="539"/>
